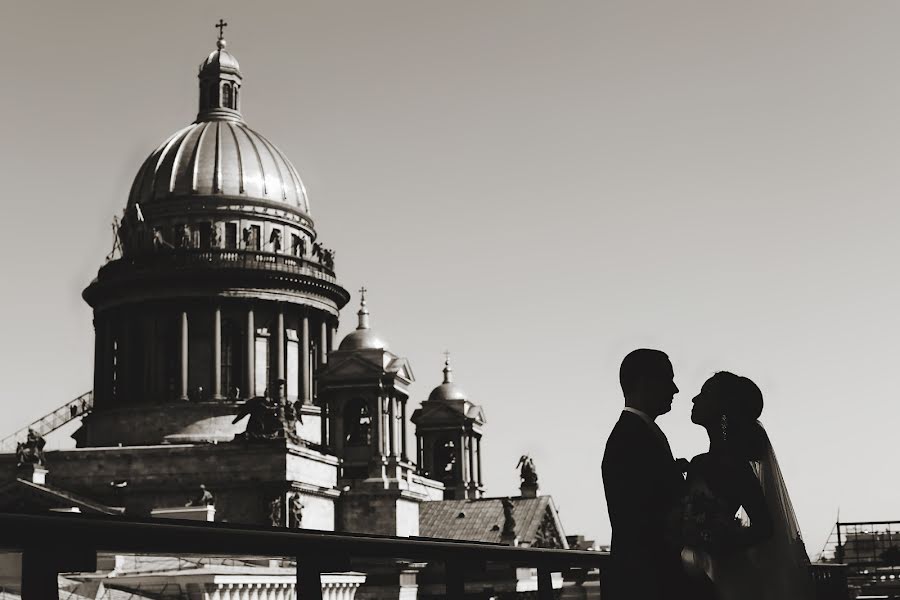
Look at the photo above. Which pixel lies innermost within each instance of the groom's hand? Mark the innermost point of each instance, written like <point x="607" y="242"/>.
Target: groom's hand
<point x="682" y="464"/>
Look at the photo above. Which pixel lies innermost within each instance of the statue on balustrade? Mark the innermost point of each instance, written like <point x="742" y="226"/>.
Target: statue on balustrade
<point x="159" y="241"/>
<point x="275" y="511"/>
<point x="215" y="238"/>
<point x="264" y="422"/>
<point x="328" y="258"/>
<point x="203" y="498"/>
<point x="275" y="240"/>
<point x="31" y="451"/>
<point x="299" y="248"/>
<point x="527" y="474"/>
<point x="187" y="240"/>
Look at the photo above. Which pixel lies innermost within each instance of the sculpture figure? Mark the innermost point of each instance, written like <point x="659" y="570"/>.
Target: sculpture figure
<point x="275" y="240"/>
<point x="31" y="451"/>
<point x="528" y="474"/>
<point x="328" y="258"/>
<point x="296" y="509"/>
<point x="275" y="511"/>
<point x="186" y="237"/>
<point x="264" y="422"/>
<point x="509" y="522"/>
<point x="203" y="498"/>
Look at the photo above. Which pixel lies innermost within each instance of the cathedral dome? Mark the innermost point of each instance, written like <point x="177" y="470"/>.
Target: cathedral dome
<point x="363" y="338"/>
<point x="218" y="158"/>
<point x="219" y="155"/>
<point x="448" y="390"/>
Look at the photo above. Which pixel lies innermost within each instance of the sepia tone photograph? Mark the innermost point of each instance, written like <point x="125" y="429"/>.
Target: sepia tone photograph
<point x="482" y="300"/>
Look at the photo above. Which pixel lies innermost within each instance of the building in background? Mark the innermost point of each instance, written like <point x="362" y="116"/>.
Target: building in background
<point x="218" y="384"/>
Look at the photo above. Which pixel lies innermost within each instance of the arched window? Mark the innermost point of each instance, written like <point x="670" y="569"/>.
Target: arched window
<point x="445" y="459"/>
<point x="226" y="96"/>
<point x="357" y="423"/>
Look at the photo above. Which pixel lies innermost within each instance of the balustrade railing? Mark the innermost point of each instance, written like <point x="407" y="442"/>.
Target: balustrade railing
<point x="222" y="258"/>
<point x="51" y="544"/>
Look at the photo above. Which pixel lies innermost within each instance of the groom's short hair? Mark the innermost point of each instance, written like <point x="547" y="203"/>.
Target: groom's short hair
<point x="639" y="364"/>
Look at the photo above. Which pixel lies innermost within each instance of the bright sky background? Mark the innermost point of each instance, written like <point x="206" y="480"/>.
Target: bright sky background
<point x="539" y="187"/>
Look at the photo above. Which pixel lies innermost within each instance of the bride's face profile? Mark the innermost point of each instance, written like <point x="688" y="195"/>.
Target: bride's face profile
<point x="707" y="409"/>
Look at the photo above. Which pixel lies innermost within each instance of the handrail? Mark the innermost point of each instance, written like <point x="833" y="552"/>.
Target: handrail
<point x="52" y="421"/>
<point x="58" y="543"/>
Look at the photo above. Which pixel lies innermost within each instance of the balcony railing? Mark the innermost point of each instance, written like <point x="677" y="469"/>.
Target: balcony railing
<point x="222" y="258"/>
<point x="66" y="543"/>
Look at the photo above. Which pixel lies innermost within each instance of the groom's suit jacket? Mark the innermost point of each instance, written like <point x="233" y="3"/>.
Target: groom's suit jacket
<point x="643" y="486"/>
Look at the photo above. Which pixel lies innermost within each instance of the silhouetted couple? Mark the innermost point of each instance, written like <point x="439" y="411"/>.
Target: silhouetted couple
<point x="675" y="537"/>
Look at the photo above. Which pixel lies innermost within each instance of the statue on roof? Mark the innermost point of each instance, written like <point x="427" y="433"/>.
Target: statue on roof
<point x="203" y="498"/>
<point x="31" y="451"/>
<point x="264" y="422"/>
<point x="509" y="521"/>
<point x="527" y="474"/>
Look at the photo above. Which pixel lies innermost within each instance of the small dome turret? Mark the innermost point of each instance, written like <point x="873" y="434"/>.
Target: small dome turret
<point x="363" y="338"/>
<point x="448" y="390"/>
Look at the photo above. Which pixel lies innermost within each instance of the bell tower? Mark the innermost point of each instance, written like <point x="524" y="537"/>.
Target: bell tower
<point x="364" y="390"/>
<point x="448" y="439"/>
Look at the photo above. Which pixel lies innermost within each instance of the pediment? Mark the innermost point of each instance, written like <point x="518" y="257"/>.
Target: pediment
<point x="549" y="532"/>
<point x="353" y="366"/>
<point x="401" y="368"/>
<point x="437" y="413"/>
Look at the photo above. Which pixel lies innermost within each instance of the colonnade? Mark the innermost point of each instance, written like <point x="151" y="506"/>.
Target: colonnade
<point x="467" y="445"/>
<point x="390" y="439"/>
<point x="140" y="357"/>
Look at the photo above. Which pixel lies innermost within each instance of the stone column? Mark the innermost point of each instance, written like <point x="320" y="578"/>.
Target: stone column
<point x="403" y="430"/>
<point x="471" y="443"/>
<point x="332" y="331"/>
<point x="250" y="356"/>
<point x="183" y="357"/>
<point x="378" y="420"/>
<point x="392" y="429"/>
<point x="478" y="452"/>
<point x="306" y="366"/>
<point x="323" y="343"/>
<point x="217" y="354"/>
<point x="279" y="349"/>
<point x="100" y="354"/>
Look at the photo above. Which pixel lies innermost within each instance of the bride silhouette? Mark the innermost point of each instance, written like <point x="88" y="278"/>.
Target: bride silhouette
<point x="761" y="556"/>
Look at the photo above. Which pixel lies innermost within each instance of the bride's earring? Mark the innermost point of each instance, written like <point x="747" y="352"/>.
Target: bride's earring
<point x="724" y="425"/>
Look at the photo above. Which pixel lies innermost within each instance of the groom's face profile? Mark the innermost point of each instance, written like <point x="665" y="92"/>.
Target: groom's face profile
<point x="659" y="388"/>
<point x="648" y="381"/>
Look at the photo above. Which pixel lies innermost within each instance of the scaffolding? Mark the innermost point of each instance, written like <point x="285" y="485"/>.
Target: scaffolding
<point x="69" y="411"/>
<point x="871" y="551"/>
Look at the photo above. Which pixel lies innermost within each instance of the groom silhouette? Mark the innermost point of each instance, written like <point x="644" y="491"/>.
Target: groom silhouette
<point x="643" y="485"/>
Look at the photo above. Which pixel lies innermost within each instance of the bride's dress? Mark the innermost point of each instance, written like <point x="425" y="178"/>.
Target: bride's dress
<point x="775" y="568"/>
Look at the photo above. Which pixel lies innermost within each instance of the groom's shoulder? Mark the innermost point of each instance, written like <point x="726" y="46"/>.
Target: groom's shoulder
<point x="627" y="429"/>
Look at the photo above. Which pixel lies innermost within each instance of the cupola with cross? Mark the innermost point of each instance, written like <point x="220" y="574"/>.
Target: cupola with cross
<point x="218" y="290"/>
<point x="448" y="439"/>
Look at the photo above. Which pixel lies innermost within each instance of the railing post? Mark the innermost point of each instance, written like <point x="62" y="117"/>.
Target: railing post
<point x="309" y="580"/>
<point x="38" y="576"/>
<point x="455" y="580"/>
<point x="545" y="584"/>
<point x="40" y="567"/>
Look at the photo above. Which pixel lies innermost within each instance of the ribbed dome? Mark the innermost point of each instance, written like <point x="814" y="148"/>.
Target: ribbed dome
<point x="219" y="158"/>
<point x="221" y="59"/>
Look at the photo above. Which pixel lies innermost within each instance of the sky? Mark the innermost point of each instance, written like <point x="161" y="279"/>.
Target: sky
<point x="539" y="187"/>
